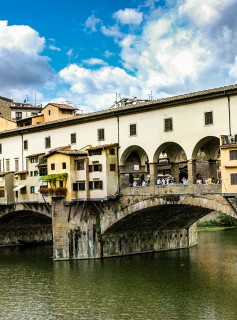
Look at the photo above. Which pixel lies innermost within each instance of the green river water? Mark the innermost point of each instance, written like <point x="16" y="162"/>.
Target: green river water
<point x="199" y="283"/>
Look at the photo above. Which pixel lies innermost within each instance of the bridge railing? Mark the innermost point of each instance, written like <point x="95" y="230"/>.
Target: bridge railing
<point x="173" y="189"/>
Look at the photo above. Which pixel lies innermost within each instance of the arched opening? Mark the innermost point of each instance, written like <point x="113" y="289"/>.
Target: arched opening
<point x="171" y="161"/>
<point x="134" y="168"/>
<point x="26" y="226"/>
<point x="206" y="159"/>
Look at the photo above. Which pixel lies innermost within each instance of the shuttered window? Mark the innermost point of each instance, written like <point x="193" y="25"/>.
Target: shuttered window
<point x="233" y="178"/>
<point x="233" y="154"/>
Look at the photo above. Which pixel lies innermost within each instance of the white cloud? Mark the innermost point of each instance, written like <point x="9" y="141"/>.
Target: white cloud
<point x="22" y="68"/>
<point x="92" y="87"/>
<point x="128" y="16"/>
<point x="91" y="23"/>
<point x="21" y="38"/>
<point x="94" y="61"/>
<point x="112" y="31"/>
<point x="54" y="48"/>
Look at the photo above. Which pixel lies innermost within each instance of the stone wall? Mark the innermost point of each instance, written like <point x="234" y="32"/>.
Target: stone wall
<point x="5" y="108"/>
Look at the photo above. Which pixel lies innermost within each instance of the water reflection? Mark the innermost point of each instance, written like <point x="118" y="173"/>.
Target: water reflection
<point x="199" y="283"/>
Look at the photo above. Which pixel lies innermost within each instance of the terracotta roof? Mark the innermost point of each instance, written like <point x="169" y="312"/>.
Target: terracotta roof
<point x="67" y="152"/>
<point x="103" y="146"/>
<point x="22" y="172"/>
<point x="2" y="174"/>
<point x="35" y="155"/>
<point x="143" y="106"/>
<point x="61" y="106"/>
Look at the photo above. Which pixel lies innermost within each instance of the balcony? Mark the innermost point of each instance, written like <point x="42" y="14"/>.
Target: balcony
<point x="53" y="192"/>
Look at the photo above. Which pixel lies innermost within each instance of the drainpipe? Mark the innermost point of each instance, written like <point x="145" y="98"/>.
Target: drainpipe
<point x="22" y="151"/>
<point x="119" y="187"/>
<point x="229" y="114"/>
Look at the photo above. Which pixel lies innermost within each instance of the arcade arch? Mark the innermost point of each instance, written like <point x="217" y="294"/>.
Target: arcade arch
<point x="134" y="166"/>
<point x="205" y="162"/>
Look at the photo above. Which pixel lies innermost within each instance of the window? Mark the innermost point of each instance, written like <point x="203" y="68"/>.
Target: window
<point x="2" y="193"/>
<point x="7" y="165"/>
<point x="34" y="160"/>
<point x="168" y="124"/>
<point x="0" y="165"/>
<point x="95" y="167"/>
<point x="233" y="178"/>
<point x="80" y="185"/>
<point x="97" y="184"/>
<point x="208" y="118"/>
<point x="133" y="129"/>
<point x="66" y="111"/>
<point x="233" y="154"/>
<point x="43" y="172"/>
<point x="101" y="134"/>
<point x="47" y="142"/>
<point x="35" y="173"/>
<point x="96" y="152"/>
<point x="49" y="112"/>
<point x="64" y="165"/>
<point x="18" y="115"/>
<point x="112" y="167"/>
<point x="73" y="138"/>
<point x="23" y="190"/>
<point x="23" y="176"/>
<point x="0" y="148"/>
<point x="32" y="189"/>
<point x="80" y="165"/>
<point x="52" y="166"/>
<point x="25" y="144"/>
<point x="31" y="173"/>
<point x="16" y="164"/>
<point x="112" y="151"/>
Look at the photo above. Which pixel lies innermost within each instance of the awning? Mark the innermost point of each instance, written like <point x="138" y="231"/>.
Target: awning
<point x="18" y="187"/>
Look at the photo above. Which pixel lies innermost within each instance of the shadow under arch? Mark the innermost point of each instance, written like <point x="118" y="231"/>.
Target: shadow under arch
<point x="134" y="166"/>
<point x="25" y="225"/>
<point x="206" y="155"/>
<point x="170" y="158"/>
<point x="210" y="145"/>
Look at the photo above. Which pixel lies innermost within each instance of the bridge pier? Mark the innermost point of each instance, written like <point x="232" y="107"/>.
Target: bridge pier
<point x="80" y="232"/>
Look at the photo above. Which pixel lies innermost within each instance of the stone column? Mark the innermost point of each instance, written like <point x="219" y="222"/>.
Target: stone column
<point x="212" y="168"/>
<point x="191" y="171"/>
<point x="175" y="171"/>
<point x="153" y="173"/>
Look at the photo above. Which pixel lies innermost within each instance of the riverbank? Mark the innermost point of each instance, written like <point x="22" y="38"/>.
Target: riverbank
<point x="216" y="228"/>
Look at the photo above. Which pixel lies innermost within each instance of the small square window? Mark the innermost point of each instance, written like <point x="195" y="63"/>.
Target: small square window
<point x="133" y="129"/>
<point x="73" y="138"/>
<point x="64" y="166"/>
<point x="168" y="124"/>
<point x="233" y="178"/>
<point x="112" y="167"/>
<point x="32" y="189"/>
<point x="208" y="118"/>
<point x="101" y="134"/>
<point x="233" y="154"/>
<point x="47" y="142"/>
<point x="25" y="144"/>
<point x="52" y="166"/>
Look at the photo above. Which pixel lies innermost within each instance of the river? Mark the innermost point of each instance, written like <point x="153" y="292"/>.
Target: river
<point x="196" y="283"/>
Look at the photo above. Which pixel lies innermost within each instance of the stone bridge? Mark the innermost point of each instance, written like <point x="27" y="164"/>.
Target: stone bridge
<point x="28" y="221"/>
<point x="142" y="219"/>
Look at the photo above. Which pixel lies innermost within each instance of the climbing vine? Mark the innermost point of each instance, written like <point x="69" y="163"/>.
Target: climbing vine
<point x="53" y="178"/>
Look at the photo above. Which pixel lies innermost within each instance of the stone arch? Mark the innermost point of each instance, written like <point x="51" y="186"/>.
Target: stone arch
<point x="206" y="155"/>
<point x="170" y="158"/>
<point x="25" y="225"/>
<point x="134" y="166"/>
<point x="166" y="212"/>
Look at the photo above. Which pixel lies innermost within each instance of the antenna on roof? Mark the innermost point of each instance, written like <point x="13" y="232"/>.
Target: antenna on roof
<point x="26" y="99"/>
<point x="150" y="96"/>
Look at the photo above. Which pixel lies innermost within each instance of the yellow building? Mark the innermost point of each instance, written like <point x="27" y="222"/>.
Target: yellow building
<point x="6" y="188"/>
<point x="229" y="165"/>
<point x="90" y="173"/>
<point x="6" y="124"/>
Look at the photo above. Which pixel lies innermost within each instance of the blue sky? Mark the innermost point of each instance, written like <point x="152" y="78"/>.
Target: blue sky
<point x="85" y="52"/>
